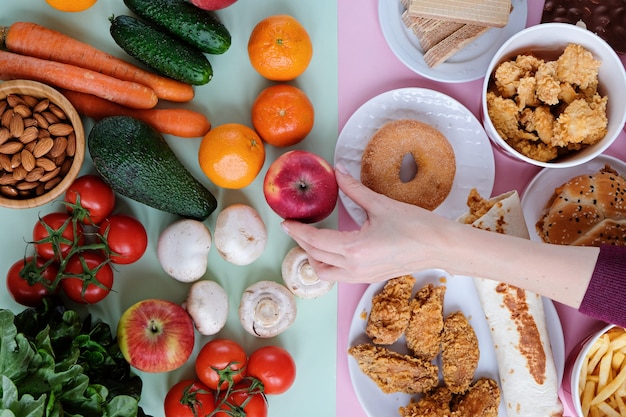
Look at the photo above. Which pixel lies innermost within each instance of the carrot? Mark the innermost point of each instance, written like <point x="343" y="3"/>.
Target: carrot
<point x="30" y="39"/>
<point x="178" y="122"/>
<point x="74" y="78"/>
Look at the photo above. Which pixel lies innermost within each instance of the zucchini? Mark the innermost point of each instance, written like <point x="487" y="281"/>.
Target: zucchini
<point x="136" y="161"/>
<point x="200" y="28"/>
<point x="161" y="51"/>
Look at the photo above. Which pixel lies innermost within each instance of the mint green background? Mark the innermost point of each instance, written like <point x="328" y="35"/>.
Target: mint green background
<point x="227" y="98"/>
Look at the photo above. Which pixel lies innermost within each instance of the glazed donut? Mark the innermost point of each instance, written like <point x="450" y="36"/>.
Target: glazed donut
<point x="382" y="160"/>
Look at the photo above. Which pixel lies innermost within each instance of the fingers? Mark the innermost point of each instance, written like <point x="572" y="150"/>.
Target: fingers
<point x="324" y="245"/>
<point x="354" y="189"/>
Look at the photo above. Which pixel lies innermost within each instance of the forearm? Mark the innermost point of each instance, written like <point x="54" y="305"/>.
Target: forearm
<point x="561" y="273"/>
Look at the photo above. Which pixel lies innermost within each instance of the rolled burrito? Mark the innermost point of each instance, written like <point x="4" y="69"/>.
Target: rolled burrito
<point x="528" y="376"/>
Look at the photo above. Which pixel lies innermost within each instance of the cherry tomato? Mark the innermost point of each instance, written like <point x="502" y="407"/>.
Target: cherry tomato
<point x="126" y="237"/>
<point x="56" y="230"/>
<point x="20" y="288"/>
<point x="274" y="367"/>
<point x="243" y="402"/>
<point x="225" y="355"/>
<point x="96" y="274"/>
<point x="189" y="398"/>
<point x="95" y="196"/>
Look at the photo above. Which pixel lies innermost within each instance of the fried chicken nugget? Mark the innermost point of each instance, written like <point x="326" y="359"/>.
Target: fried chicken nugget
<point x="577" y="66"/>
<point x="435" y="403"/>
<point x="423" y="334"/>
<point x="395" y="372"/>
<point x="390" y="312"/>
<point x="482" y="399"/>
<point x="459" y="352"/>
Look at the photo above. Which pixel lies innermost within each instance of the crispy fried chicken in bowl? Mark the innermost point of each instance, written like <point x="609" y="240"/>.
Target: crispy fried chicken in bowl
<point x="554" y="96"/>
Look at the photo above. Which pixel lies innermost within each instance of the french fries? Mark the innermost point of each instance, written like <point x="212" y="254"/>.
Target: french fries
<point x="602" y="384"/>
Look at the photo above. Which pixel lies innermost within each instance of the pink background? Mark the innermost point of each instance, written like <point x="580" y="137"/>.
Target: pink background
<point x="368" y="67"/>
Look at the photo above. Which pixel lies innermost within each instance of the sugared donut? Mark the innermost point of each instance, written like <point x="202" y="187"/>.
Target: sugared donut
<point x="381" y="163"/>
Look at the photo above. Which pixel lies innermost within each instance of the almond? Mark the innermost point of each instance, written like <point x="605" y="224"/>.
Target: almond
<point x="11" y="147"/>
<point x="30" y="134"/>
<point x="42" y="105"/>
<point x="4" y="135"/>
<point x="41" y="121"/>
<point x="16" y="160"/>
<point x="7" y="179"/>
<point x="46" y="164"/>
<point x="71" y="144"/>
<point x="23" y="110"/>
<point x="60" y="145"/>
<point x="27" y="185"/>
<point x="16" y="126"/>
<point x="5" y="120"/>
<point x="28" y="160"/>
<point x="49" y="175"/>
<point x="50" y="117"/>
<point x="14" y="100"/>
<point x="60" y="129"/>
<point x="8" y="191"/>
<point x="19" y="173"/>
<point x="30" y="101"/>
<point x="52" y="183"/>
<point x="43" y="147"/>
<point x="5" y="163"/>
<point x="56" y="110"/>
<point x="34" y="175"/>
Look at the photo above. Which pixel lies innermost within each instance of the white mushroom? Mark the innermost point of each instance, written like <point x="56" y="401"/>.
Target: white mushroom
<point x="267" y="308"/>
<point x="207" y="304"/>
<point x="240" y="234"/>
<point x="300" y="277"/>
<point x="183" y="249"/>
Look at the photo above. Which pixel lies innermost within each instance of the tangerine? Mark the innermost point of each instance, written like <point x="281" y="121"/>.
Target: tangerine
<point x="71" y="5"/>
<point x="231" y="155"/>
<point x="280" y="48"/>
<point x="282" y="115"/>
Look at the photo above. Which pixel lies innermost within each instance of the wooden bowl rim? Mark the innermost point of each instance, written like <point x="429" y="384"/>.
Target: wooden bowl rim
<point x="40" y="90"/>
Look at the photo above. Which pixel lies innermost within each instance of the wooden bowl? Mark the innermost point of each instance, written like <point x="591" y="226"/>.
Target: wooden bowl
<point x="46" y="192"/>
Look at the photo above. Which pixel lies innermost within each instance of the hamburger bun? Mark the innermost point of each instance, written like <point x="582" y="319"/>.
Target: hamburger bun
<point x="588" y="210"/>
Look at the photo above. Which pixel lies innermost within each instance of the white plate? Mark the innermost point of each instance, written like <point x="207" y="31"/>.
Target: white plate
<point x="541" y="188"/>
<point x="475" y="166"/>
<point x="467" y="65"/>
<point x="460" y="296"/>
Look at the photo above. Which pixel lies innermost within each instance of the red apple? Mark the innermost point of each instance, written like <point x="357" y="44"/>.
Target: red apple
<point x="212" y="4"/>
<point x="301" y="185"/>
<point x="155" y="335"/>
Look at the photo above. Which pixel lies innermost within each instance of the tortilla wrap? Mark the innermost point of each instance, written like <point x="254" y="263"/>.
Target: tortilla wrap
<point x="528" y="377"/>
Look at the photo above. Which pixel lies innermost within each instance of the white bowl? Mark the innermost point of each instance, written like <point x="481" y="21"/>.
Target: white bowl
<point x="552" y="38"/>
<point x="571" y="377"/>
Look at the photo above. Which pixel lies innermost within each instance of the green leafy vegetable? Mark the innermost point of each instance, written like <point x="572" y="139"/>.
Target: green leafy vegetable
<point x="53" y="364"/>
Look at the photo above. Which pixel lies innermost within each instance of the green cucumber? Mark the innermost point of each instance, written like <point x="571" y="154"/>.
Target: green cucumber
<point x="136" y="161"/>
<point x="200" y="28"/>
<point x="161" y="51"/>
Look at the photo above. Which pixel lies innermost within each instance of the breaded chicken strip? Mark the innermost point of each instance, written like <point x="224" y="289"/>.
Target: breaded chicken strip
<point x="459" y="352"/>
<point x="423" y="334"/>
<point x="395" y="372"/>
<point x="435" y="403"/>
<point x="482" y="399"/>
<point x="390" y="312"/>
<point x="577" y="66"/>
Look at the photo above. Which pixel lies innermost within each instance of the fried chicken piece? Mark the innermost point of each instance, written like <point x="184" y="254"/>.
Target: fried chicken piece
<point x="459" y="352"/>
<point x="527" y="93"/>
<point x="423" y="334"/>
<point x="577" y="66"/>
<point x="482" y="399"/>
<point x="548" y="86"/>
<point x="581" y="122"/>
<point x="540" y="120"/>
<point x="395" y="372"/>
<point x="435" y="403"/>
<point x="390" y="311"/>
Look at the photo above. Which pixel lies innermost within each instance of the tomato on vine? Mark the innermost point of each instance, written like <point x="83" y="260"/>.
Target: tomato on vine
<point x="244" y="400"/>
<point x="89" y="278"/>
<point x="189" y="398"/>
<point x="24" y="280"/>
<point x="221" y="363"/>
<point x="274" y="367"/>
<point x="126" y="238"/>
<point x="55" y="234"/>
<point x="90" y="199"/>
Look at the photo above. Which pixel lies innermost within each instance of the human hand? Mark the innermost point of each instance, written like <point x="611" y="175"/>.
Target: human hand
<point x="395" y="239"/>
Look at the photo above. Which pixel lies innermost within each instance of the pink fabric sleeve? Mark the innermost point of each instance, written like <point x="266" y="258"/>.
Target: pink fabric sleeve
<point x="605" y="298"/>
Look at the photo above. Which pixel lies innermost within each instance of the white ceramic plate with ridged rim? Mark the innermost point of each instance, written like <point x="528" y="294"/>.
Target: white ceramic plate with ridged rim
<point x="540" y="189"/>
<point x="461" y="296"/>
<point x="475" y="167"/>
<point x="468" y="64"/>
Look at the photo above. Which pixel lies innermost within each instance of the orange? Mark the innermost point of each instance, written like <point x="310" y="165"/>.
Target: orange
<point x="280" y="48"/>
<point x="282" y="115"/>
<point x="231" y="155"/>
<point x="71" y="5"/>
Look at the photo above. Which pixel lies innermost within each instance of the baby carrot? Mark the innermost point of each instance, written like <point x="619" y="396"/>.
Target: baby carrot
<point x="74" y="78"/>
<point x="183" y="123"/>
<point x="31" y="39"/>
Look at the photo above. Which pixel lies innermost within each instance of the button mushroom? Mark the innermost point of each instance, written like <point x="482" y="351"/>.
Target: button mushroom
<point x="267" y="308"/>
<point x="299" y="276"/>
<point x="240" y="234"/>
<point x="207" y="304"/>
<point x="183" y="249"/>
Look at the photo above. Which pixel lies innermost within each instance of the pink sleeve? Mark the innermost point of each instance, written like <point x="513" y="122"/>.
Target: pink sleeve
<point x="605" y="298"/>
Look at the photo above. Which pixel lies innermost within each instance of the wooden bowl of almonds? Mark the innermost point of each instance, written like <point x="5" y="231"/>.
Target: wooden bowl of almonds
<point x="42" y="144"/>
